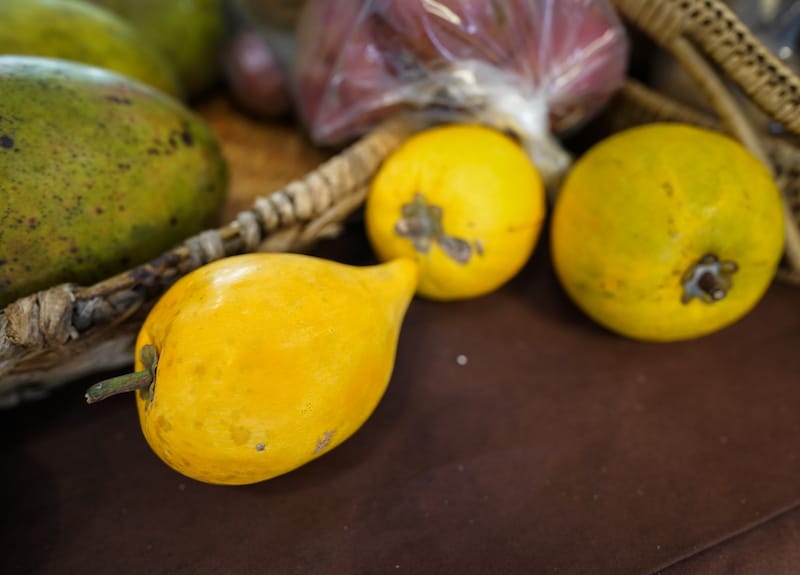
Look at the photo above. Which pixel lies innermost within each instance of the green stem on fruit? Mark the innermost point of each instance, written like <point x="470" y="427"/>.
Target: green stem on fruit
<point x="139" y="380"/>
<point x="709" y="279"/>
<point x="120" y="384"/>
<point x="422" y="224"/>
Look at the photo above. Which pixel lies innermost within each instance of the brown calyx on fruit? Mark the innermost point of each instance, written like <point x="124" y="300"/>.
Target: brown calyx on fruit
<point x="709" y="279"/>
<point x="422" y="224"/>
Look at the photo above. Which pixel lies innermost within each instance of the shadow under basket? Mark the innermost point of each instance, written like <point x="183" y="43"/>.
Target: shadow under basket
<point x="68" y="331"/>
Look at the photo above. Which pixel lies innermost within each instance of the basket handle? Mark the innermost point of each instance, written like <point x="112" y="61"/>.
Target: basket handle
<point x="713" y="29"/>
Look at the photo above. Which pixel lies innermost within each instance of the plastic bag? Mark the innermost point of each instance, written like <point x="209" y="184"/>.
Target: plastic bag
<point x="536" y="68"/>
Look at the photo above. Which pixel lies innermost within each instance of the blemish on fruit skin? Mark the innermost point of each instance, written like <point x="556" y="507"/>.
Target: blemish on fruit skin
<point x="259" y="447"/>
<point x="118" y="99"/>
<point x="163" y="424"/>
<point x="324" y="441"/>
<point x="6" y="142"/>
<point x="239" y="434"/>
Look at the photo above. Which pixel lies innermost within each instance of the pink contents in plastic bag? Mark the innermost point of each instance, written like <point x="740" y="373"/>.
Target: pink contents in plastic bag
<point x="537" y="67"/>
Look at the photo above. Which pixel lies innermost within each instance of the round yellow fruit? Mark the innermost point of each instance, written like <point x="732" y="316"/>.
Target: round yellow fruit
<point x="465" y="202"/>
<point x="667" y="232"/>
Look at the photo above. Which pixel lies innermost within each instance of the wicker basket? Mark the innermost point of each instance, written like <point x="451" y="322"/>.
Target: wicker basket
<point x="67" y="331"/>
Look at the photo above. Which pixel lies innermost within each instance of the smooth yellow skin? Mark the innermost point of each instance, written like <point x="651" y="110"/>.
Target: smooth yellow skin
<point x="490" y="194"/>
<point x="642" y="206"/>
<point x="267" y="361"/>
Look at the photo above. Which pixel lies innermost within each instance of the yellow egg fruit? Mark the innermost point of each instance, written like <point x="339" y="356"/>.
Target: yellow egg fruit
<point x="254" y="365"/>
<point x="667" y="232"/>
<point x="465" y="202"/>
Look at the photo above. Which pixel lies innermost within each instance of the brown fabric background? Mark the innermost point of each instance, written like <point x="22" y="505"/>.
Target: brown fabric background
<point x="558" y="448"/>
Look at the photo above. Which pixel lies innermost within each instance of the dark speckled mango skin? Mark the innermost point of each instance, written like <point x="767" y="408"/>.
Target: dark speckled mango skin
<point x="98" y="173"/>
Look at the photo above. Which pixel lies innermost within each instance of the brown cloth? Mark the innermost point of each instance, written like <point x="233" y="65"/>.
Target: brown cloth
<point x="557" y="447"/>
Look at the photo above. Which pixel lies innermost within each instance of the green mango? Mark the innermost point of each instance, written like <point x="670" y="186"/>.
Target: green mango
<point x="189" y="33"/>
<point x="75" y="30"/>
<point x="98" y="173"/>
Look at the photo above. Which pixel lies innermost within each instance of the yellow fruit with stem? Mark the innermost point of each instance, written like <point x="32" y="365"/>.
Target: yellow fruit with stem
<point x="254" y="365"/>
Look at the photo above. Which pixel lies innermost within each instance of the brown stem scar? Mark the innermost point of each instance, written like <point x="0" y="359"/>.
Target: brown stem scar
<point x="421" y="223"/>
<point x="709" y="279"/>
